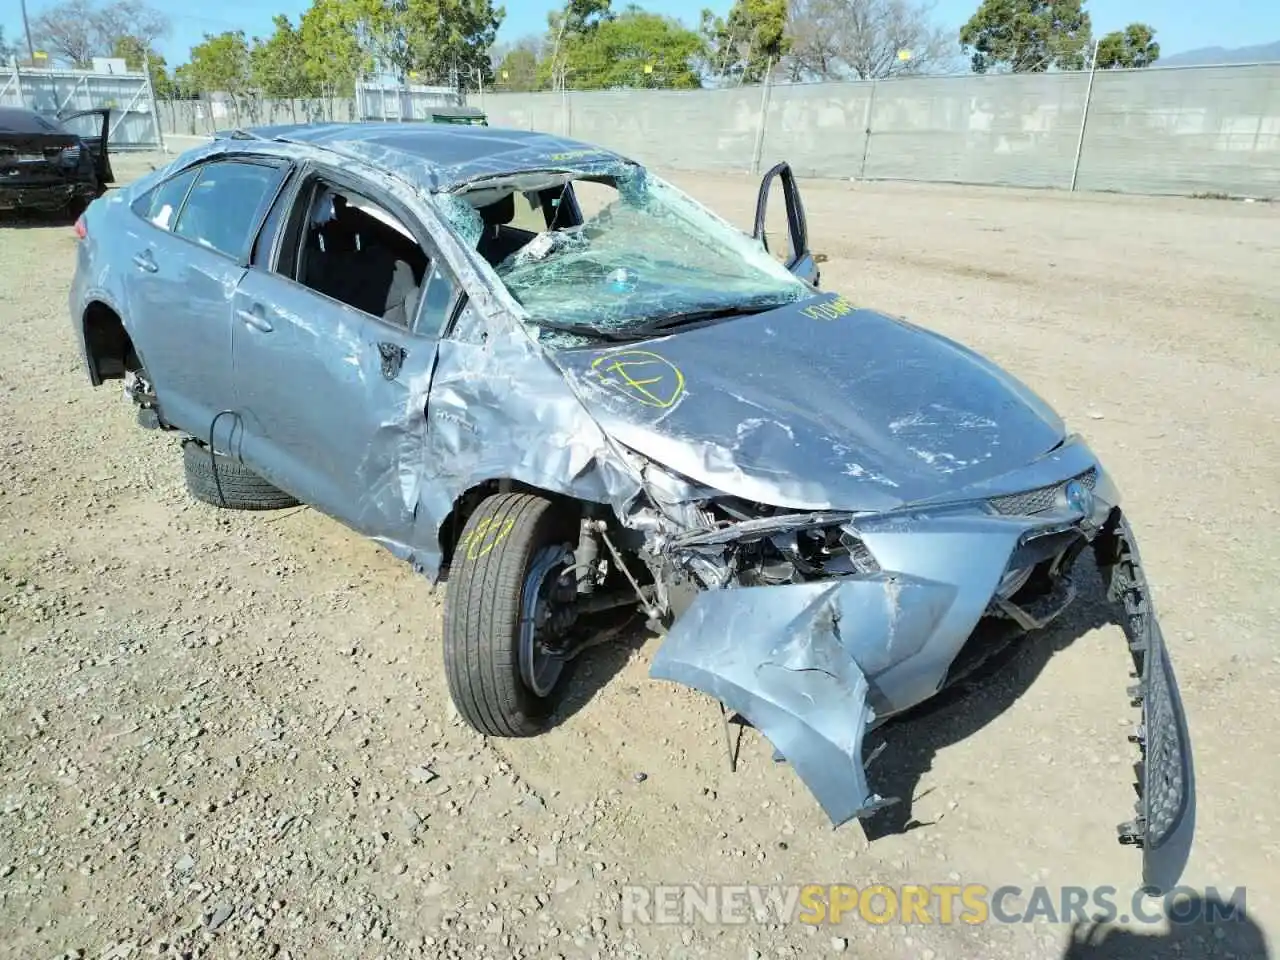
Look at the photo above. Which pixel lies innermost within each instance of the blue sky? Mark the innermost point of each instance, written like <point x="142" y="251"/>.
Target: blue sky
<point x="1180" y="24"/>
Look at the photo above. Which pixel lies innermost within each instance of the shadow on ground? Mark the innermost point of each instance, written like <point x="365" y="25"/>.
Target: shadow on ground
<point x="958" y="712"/>
<point x="991" y="685"/>
<point x="622" y="633"/>
<point x="1218" y="930"/>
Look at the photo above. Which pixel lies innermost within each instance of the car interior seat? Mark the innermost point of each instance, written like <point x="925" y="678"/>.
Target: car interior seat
<point x="499" y="239"/>
<point x="360" y="261"/>
<point x="342" y="233"/>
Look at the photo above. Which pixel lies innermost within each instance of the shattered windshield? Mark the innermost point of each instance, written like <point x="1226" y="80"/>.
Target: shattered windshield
<point x="648" y="253"/>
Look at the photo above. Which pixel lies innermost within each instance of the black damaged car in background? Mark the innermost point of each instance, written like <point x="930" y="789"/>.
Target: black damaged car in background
<point x="50" y="163"/>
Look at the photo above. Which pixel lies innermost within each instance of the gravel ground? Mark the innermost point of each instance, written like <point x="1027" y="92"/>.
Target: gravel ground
<point x="229" y="735"/>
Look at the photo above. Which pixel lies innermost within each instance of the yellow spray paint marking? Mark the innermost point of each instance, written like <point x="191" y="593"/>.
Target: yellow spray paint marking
<point x="641" y="375"/>
<point x="832" y="309"/>
<point x="488" y="533"/>
<point x="574" y="155"/>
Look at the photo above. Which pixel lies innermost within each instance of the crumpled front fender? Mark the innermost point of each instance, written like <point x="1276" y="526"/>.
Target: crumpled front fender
<point x="781" y="657"/>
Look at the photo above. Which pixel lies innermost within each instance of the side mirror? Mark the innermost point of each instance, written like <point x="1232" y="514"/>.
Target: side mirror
<point x="793" y="226"/>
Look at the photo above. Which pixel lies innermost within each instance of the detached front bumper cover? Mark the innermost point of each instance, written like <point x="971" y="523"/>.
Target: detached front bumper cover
<point x="1166" y="807"/>
<point x="774" y="655"/>
<point x="784" y="658"/>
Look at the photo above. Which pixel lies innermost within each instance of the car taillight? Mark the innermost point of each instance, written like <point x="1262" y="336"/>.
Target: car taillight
<point x="82" y="230"/>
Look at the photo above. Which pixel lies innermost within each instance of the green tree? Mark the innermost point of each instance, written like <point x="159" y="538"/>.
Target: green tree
<point x="742" y="45"/>
<point x="278" y="63"/>
<point x="571" y="24"/>
<point x="1027" y="36"/>
<point x="220" y="64"/>
<point x="518" y="70"/>
<point x="137" y="56"/>
<point x="448" y="41"/>
<point x="1134" y="46"/>
<point x="335" y="59"/>
<point x="580" y="17"/>
<point x="442" y="41"/>
<point x="636" y="49"/>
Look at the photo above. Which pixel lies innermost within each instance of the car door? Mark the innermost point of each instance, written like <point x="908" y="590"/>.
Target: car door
<point x="185" y="253"/>
<point x="397" y="366"/>
<point x="796" y="257"/>
<point x="332" y="397"/>
<point x="93" y="128"/>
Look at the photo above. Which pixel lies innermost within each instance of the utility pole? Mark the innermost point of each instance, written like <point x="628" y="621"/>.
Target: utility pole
<point x="1084" y="115"/>
<point x="26" y="25"/>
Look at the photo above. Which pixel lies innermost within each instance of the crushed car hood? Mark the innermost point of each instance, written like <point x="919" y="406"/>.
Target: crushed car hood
<point x="860" y="412"/>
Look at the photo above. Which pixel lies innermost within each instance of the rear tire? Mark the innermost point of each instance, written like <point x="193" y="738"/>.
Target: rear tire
<point x="503" y="542"/>
<point x="233" y="487"/>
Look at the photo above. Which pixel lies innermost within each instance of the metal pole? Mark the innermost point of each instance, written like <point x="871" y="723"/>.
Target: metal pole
<point x="564" y="105"/>
<point x="763" y="120"/>
<point x="31" y="50"/>
<point x="1084" y="116"/>
<point x="155" y="107"/>
<point x="866" y="143"/>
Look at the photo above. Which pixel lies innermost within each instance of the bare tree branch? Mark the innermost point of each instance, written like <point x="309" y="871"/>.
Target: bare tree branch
<point x="868" y="39"/>
<point x="66" y="31"/>
<point x="79" y="30"/>
<point x="129" y="18"/>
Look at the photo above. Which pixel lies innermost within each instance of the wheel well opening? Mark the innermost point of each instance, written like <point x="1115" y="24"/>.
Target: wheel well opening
<point x="107" y="344"/>
<point x="466" y="504"/>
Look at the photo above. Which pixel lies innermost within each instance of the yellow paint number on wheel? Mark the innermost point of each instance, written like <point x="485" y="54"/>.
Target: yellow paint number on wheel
<point x="488" y="533"/>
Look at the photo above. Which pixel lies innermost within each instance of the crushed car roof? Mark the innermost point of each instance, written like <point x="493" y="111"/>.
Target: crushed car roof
<point x="439" y="156"/>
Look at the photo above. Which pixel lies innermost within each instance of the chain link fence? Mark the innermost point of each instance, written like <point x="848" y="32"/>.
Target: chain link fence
<point x="132" y="124"/>
<point x="370" y="102"/>
<point x="1184" y="131"/>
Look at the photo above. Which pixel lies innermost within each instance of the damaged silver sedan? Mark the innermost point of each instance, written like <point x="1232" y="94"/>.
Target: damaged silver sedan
<point x="535" y="367"/>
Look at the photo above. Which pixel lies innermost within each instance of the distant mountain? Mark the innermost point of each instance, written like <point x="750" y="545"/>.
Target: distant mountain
<point x="1262" y="53"/>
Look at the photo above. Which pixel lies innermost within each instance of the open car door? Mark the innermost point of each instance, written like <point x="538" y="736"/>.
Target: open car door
<point x="93" y="128"/>
<point x="796" y="257"/>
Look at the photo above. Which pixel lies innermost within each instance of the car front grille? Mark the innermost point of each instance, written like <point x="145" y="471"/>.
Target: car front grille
<point x="1031" y="502"/>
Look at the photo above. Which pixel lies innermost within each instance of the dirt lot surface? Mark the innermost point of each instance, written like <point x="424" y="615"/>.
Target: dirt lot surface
<point x="229" y="735"/>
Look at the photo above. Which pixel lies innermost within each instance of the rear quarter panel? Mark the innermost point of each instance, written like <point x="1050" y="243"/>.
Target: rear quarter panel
<point x="101" y="259"/>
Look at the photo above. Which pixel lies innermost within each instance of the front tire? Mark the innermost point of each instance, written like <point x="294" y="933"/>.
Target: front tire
<point x="512" y="551"/>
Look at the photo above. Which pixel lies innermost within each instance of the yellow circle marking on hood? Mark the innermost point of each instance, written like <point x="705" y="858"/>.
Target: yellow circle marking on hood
<point x="641" y="375"/>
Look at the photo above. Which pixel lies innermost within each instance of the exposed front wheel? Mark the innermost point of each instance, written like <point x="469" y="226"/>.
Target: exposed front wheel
<point x="511" y="587"/>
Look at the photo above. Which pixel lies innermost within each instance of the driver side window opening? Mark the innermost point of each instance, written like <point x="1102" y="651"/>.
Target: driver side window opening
<point x="350" y="249"/>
